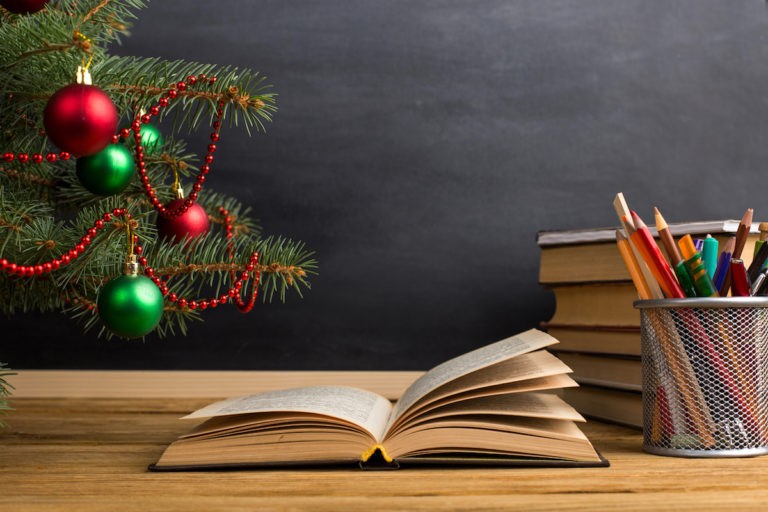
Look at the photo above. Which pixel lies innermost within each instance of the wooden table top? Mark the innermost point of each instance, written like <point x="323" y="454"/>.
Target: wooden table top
<point x="92" y="455"/>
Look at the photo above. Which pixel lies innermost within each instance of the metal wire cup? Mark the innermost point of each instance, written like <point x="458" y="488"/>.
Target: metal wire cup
<point x="705" y="376"/>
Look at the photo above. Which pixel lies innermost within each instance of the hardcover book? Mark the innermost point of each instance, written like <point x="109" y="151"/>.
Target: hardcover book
<point x="590" y="255"/>
<point x="608" y="371"/>
<point x="491" y="406"/>
<point x="596" y="340"/>
<point x="612" y="405"/>
<point x="603" y="305"/>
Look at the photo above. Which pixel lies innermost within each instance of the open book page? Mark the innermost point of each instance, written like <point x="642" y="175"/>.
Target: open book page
<point x="552" y="382"/>
<point x="530" y="405"/>
<point x="496" y="379"/>
<point x="477" y="441"/>
<point x="508" y="348"/>
<point x="363" y="408"/>
<point x="225" y="426"/>
<point x="537" y="424"/>
<point x="539" y="427"/>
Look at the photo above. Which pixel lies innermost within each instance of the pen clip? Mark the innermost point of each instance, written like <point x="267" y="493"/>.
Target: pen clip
<point x="759" y="282"/>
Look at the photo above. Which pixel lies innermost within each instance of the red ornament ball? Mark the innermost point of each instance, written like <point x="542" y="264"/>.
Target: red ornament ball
<point x="23" y="6"/>
<point x="191" y="224"/>
<point x="80" y="119"/>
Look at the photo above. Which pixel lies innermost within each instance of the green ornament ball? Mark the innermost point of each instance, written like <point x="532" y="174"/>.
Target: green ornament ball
<point x="130" y="306"/>
<point x="151" y="139"/>
<point x="107" y="172"/>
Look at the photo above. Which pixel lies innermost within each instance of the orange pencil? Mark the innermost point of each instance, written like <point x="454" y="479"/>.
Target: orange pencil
<point x="632" y="266"/>
<point x="650" y="252"/>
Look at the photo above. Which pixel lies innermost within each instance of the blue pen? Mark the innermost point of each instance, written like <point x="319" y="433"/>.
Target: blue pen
<point x="698" y="244"/>
<point x="709" y="255"/>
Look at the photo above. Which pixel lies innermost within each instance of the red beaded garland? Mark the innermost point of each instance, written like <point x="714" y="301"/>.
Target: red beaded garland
<point x="64" y="259"/>
<point x="179" y="208"/>
<point x="213" y="302"/>
<point x="36" y="158"/>
<point x="242" y="306"/>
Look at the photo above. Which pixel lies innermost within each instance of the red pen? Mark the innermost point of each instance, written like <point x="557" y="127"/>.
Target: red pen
<point x="739" y="278"/>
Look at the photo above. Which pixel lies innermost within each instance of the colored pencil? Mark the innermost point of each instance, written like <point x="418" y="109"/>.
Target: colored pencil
<point x="650" y="252"/>
<point x="666" y="237"/>
<point x="625" y="218"/>
<point x="675" y="259"/>
<point x="632" y="266"/>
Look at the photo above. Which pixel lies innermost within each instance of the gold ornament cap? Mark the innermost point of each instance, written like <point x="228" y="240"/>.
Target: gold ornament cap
<point x="132" y="265"/>
<point x="83" y="76"/>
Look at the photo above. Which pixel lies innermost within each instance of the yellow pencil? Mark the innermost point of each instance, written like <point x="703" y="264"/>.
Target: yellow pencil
<point x="634" y="268"/>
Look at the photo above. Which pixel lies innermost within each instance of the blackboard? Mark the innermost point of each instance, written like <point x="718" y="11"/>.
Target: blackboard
<point x="420" y="145"/>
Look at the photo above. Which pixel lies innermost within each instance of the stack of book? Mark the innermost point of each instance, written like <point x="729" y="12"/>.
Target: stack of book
<point x="594" y="319"/>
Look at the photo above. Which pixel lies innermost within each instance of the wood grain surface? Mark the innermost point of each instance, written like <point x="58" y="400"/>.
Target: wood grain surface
<point x="92" y="455"/>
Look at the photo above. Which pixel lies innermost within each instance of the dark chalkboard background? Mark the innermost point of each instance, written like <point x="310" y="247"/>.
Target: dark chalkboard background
<point x="419" y="147"/>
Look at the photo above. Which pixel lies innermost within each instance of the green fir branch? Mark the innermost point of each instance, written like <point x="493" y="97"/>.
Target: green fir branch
<point x="140" y="81"/>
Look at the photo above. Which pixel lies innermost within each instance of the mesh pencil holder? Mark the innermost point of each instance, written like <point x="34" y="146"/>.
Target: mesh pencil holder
<point x="705" y="376"/>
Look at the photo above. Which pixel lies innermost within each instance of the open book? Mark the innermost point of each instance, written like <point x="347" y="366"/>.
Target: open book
<point x="489" y="406"/>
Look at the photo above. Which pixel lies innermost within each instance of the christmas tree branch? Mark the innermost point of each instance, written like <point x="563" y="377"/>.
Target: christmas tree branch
<point x="245" y="95"/>
<point x="95" y="9"/>
<point x="46" y="48"/>
<point x="7" y="225"/>
<point x="289" y="271"/>
<point x="27" y="177"/>
<point x="231" y="95"/>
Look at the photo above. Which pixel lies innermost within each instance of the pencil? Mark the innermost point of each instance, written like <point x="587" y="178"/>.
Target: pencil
<point x="622" y="211"/>
<point x="625" y="218"/>
<point x="675" y="258"/>
<point x="741" y="239"/>
<point x="632" y="266"/>
<point x="666" y="237"/>
<point x="742" y="233"/>
<point x="650" y="252"/>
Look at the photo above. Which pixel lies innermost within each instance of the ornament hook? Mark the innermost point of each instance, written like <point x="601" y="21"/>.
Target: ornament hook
<point x="82" y="75"/>
<point x="176" y="184"/>
<point x="132" y="260"/>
